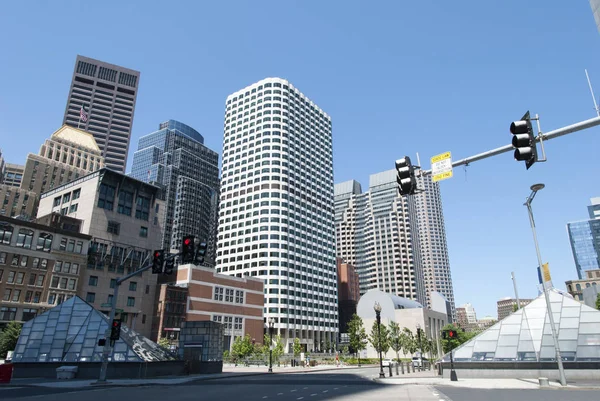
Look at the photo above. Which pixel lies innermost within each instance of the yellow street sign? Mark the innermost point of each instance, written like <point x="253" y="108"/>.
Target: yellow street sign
<point x="546" y="272"/>
<point x="441" y="167"/>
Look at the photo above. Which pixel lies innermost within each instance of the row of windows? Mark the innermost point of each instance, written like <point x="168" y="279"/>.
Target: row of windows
<point x="22" y="261"/>
<point x="106" y="200"/>
<point x="18" y="278"/>
<point x="228" y="295"/>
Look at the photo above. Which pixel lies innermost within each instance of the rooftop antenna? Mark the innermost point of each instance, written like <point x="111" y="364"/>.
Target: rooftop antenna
<point x="592" y="92"/>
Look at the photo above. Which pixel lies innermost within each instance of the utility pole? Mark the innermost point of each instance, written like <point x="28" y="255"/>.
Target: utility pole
<point x="514" y="280"/>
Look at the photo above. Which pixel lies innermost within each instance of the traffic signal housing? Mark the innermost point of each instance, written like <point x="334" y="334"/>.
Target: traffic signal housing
<point x="524" y="141"/>
<point x="405" y="176"/>
<point x="158" y="259"/>
<point x="115" y="330"/>
<point x="449" y="334"/>
<point x="169" y="266"/>
<point x="187" y="249"/>
<point x="201" y="252"/>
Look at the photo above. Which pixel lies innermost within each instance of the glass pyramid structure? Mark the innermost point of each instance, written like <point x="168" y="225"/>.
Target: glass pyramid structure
<point x="70" y="332"/>
<point x="526" y="334"/>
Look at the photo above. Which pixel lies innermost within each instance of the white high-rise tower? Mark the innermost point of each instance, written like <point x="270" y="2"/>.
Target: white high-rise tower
<point x="432" y="238"/>
<point x="276" y="213"/>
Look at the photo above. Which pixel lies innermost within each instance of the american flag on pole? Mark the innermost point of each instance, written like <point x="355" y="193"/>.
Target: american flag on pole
<point x="83" y="114"/>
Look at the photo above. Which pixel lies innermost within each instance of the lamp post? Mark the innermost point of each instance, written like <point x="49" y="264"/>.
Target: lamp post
<point x="271" y="324"/>
<point x="534" y="189"/>
<point x="420" y="347"/>
<point x="377" y="309"/>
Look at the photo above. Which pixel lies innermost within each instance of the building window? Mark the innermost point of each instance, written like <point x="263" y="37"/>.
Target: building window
<point x="63" y="244"/>
<point x="76" y="194"/>
<point x="132" y="286"/>
<point x="16" y="295"/>
<point x="73" y="208"/>
<point x="40" y="280"/>
<point x="29" y="314"/>
<point x="44" y="242"/>
<point x="24" y="260"/>
<point x="24" y="238"/>
<point x="36" y="297"/>
<point x="113" y="227"/>
<point x="144" y="232"/>
<point x="125" y="203"/>
<point x="2" y="258"/>
<point x="93" y="281"/>
<point x="218" y="294"/>
<point x="7" y="293"/>
<point x="71" y="246"/>
<point x="56" y="202"/>
<point x="20" y="278"/>
<point x="229" y="295"/>
<point x="5" y="234"/>
<point x="130" y="301"/>
<point x="90" y="297"/>
<point x="106" y="197"/>
<point x="8" y="313"/>
<point x="15" y="260"/>
<point x="239" y="297"/>
<point x="142" y="208"/>
<point x="113" y="282"/>
<point x="143" y="319"/>
<point x="78" y="246"/>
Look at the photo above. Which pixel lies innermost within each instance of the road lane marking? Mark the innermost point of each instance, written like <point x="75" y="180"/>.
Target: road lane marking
<point x="265" y="396"/>
<point x="304" y="388"/>
<point x="335" y="388"/>
<point x="313" y="394"/>
<point x="279" y="393"/>
<point x="291" y="391"/>
<point x="325" y="391"/>
<point x="299" y="398"/>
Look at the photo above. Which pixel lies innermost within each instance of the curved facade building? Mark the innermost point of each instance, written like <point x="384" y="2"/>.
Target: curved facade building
<point x="276" y="214"/>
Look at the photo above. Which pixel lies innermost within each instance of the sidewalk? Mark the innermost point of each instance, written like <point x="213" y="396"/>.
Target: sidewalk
<point x="228" y="372"/>
<point x="487" y="383"/>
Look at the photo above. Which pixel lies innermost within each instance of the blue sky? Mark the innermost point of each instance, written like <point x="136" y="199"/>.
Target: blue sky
<point x="397" y="78"/>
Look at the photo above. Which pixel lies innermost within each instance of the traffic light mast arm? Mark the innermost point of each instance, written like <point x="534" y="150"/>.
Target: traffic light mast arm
<point x="569" y="129"/>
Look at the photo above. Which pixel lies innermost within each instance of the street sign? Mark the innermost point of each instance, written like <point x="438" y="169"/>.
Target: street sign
<point x="441" y="167"/>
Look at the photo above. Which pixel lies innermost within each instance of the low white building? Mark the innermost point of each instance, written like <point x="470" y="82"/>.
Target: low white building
<point x="407" y="313"/>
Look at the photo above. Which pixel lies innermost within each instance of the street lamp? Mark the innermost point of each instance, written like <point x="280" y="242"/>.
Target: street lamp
<point x="420" y="347"/>
<point x="377" y="309"/>
<point x="534" y="189"/>
<point x="271" y="324"/>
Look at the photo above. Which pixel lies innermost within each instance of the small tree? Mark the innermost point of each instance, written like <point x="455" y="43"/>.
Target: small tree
<point x="297" y="347"/>
<point x="9" y="337"/>
<point x="242" y="347"/>
<point x="358" y="335"/>
<point x="379" y="338"/>
<point x="164" y="342"/>
<point x="598" y="302"/>
<point x="278" y="348"/>
<point x="395" y="339"/>
<point x="408" y="341"/>
<point x="327" y="345"/>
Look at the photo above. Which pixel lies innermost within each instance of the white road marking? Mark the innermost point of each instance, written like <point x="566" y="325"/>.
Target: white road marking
<point x="265" y="396"/>
<point x="336" y="388"/>
<point x="304" y="388"/>
<point x="299" y="398"/>
<point x="279" y="393"/>
<point x="291" y="391"/>
<point x="313" y="394"/>
<point x="325" y="391"/>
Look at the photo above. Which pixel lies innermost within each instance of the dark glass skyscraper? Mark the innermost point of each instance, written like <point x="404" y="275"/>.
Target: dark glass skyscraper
<point x="175" y="158"/>
<point x="585" y="240"/>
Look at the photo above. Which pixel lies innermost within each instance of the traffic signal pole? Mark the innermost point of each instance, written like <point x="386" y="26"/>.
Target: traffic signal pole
<point x="569" y="129"/>
<point x="111" y="316"/>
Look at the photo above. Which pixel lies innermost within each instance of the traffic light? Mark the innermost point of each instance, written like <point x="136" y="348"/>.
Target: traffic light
<point x="449" y="334"/>
<point x="200" y="252"/>
<point x="187" y="249"/>
<point x="524" y="141"/>
<point x="158" y="259"/>
<point x="115" y="330"/>
<point x="405" y="176"/>
<point x="169" y="266"/>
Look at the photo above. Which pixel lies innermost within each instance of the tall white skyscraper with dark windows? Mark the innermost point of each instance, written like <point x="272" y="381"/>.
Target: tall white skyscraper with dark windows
<point x="276" y="212"/>
<point x="432" y="238"/>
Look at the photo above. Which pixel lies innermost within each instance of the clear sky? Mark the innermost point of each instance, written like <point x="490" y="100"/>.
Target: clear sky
<point x="397" y="77"/>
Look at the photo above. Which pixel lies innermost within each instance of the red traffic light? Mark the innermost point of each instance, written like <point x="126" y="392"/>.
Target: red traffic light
<point x="187" y="241"/>
<point x="157" y="254"/>
<point x="115" y="323"/>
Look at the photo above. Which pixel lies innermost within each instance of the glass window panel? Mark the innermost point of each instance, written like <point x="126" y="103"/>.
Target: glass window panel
<point x="508" y="340"/>
<point x="38" y="326"/>
<point x="535" y="313"/>
<point x="489" y="335"/>
<point x="589" y="317"/>
<point x="570" y="312"/>
<point x="45" y="348"/>
<point x="526" y="346"/>
<point x="547" y="353"/>
<point x="60" y="335"/>
<point x="509" y="329"/>
<point x="120" y="347"/>
<point x="484" y="346"/>
<point x="589" y="339"/>
<point x="587" y="352"/>
<point x="515" y="318"/>
<point x="547" y="340"/>
<point x="589" y="328"/>
<point x="556" y="306"/>
<point x="91" y="342"/>
<point x="568" y="334"/>
<point x="569" y="323"/>
<point x="463" y="353"/>
<point x="548" y="329"/>
<point x="36" y="335"/>
<point x="506" y="353"/>
<point x="567" y="345"/>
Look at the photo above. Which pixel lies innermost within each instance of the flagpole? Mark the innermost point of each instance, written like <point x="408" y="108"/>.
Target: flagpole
<point x="79" y="122"/>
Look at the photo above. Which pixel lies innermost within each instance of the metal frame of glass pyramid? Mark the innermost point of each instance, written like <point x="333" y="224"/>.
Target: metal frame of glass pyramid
<point x="70" y="332"/>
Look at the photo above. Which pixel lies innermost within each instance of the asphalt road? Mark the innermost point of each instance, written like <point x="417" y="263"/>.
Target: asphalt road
<point x="342" y="385"/>
<point x="348" y="385"/>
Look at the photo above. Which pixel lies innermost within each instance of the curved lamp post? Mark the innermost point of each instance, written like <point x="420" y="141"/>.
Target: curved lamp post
<point x="377" y="308"/>
<point x="534" y="189"/>
<point x="271" y="324"/>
